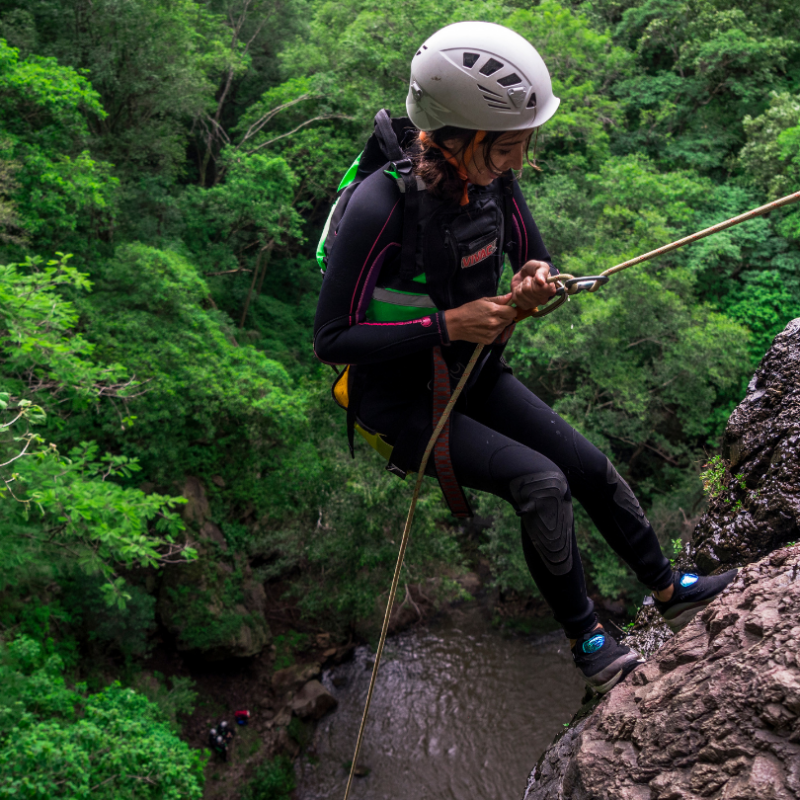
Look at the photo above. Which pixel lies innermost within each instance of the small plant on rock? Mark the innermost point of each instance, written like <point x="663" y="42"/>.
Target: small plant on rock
<point x="714" y="483"/>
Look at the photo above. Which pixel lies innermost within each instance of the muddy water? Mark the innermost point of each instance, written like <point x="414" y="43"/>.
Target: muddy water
<point x="458" y="712"/>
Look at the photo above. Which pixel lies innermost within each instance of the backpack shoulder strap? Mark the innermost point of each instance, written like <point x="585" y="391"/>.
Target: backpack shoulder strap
<point x="387" y="137"/>
<point x="390" y="134"/>
<point x="507" y="195"/>
<point x="411" y="207"/>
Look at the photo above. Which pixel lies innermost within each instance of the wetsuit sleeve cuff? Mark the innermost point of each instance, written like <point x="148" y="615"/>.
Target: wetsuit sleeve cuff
<point x="443" y="335"/>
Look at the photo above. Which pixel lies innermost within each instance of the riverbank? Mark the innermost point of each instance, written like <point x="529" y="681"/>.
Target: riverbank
<point x="266" y="684"/>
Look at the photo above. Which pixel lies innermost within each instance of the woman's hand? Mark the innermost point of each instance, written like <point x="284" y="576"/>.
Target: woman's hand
<point x="480" y="321"/>
<point x="529" y="287"/>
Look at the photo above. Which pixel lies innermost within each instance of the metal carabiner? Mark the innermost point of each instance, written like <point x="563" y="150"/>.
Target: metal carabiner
<point x="589" y="283"/>
<point x="560" y="296"/>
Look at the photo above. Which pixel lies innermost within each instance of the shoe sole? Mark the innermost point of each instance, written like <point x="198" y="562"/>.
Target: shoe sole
<point x="684" y="613"/>
<point x="680" y="615"/>
<point x="623" y="667"/>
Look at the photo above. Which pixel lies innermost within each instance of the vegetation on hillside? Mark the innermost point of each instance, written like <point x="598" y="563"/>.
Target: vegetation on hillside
<point x="166" y="167"/>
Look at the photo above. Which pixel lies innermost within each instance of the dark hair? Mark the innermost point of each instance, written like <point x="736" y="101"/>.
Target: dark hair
<point x="439" y="175"/>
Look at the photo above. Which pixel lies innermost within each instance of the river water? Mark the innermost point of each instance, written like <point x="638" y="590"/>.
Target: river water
<point x="459" y="711"/>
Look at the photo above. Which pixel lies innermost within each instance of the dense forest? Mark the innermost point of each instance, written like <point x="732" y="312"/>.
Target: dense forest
<point x="166" y="168"/>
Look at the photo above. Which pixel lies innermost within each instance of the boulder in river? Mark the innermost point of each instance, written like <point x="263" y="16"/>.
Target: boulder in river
<point x="290" y="679"/>
<point x="313" y="701"/>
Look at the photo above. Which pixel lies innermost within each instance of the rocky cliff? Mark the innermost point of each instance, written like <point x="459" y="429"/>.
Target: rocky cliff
<point x="715" y="712"/>
<point x="761" y="446"/>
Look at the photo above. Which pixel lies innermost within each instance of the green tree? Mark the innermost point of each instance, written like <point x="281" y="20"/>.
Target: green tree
<point x="59" y="742"/>
<point x="210" y="406"/>
<point x="584" y="64"/>
<point x="57" y="508"/>
<point x="62" y="192"/>
<point x="704" y="64"/>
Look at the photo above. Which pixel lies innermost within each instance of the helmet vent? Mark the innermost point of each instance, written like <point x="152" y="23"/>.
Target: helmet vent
<point x="504" y="106"/>
<point x="532" y="101"/>
<point x="489" y="91"/>
<point x="491" y="66"/>
<point x="470" y="59"/>
<point x="510" y="80"/>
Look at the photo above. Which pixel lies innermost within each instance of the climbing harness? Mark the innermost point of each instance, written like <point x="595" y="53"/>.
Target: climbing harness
<point x="571" y="286"/>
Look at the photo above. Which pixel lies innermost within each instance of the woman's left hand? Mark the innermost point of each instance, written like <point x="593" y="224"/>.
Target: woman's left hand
<point x="529" y="287"/>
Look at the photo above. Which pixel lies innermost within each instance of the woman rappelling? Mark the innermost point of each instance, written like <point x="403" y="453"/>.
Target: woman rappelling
<point x="413" y="263"/>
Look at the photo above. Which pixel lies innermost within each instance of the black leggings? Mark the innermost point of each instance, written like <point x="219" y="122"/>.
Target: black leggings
<point x="513" y="445"/>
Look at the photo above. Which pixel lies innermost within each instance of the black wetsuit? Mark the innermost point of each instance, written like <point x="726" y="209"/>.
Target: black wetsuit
<point x="503" y="439"/>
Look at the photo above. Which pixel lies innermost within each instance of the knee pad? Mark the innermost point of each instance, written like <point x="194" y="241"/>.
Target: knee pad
<point x="545" y="508"/>
<point x="623" y="494"/>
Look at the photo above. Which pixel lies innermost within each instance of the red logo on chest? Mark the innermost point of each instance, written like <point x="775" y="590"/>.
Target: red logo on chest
<point x="481" y="255"/>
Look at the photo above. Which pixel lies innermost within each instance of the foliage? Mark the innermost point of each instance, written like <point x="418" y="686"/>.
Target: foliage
<point x="62" y="191"/>
<point x="39" y="345"/>
<point x="716" y="478"/>
<point x="65" y="508"/>
<point x="273" y="780"/>
<point x="345" y="538"/>
<point x="677" y="549"/>
<point x="704" y="65"/>
<point x="108" y="631"/>
<point x="210" y="405"/>
<point x="584" y="63"/>
<point x="286" y="645"/>
<point x="174" y="696"/>
<point x="646" y="361"/>
<point x="69" y="509"/>
<point x="208" y="619"/>
<point x="59" y="742"/>
<point x="252" y="208"/>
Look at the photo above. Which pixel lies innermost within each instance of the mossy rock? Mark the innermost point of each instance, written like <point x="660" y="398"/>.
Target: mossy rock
<point x="214" y="607"/>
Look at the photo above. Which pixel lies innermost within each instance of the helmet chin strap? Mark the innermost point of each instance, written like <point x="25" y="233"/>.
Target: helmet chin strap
<point x="469" y="152"/>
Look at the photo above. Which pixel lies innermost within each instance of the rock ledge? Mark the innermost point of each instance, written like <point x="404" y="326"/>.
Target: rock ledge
<point x="714" y="715"/>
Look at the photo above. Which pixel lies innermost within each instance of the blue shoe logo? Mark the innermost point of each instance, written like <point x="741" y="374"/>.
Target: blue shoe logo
<point x="688" y="579"/>
<point x="594" y="644"/>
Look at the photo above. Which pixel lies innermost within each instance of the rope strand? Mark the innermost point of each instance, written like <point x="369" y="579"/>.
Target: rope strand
<point x="401" y="555"/>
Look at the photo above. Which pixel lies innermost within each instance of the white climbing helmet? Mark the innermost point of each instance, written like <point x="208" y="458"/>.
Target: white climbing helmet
<point x="480" y="76"/>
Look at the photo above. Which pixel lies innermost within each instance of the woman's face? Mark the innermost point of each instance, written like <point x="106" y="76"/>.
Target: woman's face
<point x="507" y="152"/>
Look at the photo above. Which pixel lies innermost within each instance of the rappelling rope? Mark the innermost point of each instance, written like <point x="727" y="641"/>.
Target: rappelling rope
<point x="765" y="209"/>
<point x="406" y="532"/>
<point x="720" y="226"/>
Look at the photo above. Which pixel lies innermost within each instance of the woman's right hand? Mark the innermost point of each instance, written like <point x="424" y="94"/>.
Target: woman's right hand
<point x="480" y="321"/>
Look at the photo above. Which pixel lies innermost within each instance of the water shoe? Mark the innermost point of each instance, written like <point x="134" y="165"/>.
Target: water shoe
<point x="602" y="660"/>
<point x="691" y="593"/>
